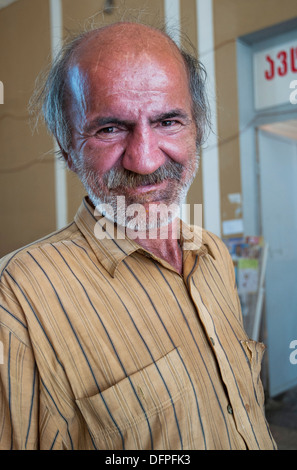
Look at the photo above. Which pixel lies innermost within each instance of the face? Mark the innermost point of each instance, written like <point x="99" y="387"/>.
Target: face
<point x="133" y="132"/>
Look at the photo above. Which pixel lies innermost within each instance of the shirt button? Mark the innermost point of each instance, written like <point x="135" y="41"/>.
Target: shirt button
<point x="230" y="409"/>
<point x="212" y="341"/>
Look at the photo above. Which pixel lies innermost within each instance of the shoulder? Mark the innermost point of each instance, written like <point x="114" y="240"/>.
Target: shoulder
<point x="223" y="271"/>
<point x="206" y="241"/>
<point x="66" y="233"/>
<point x="216" y="248"/>
<point x="215" y="245"/>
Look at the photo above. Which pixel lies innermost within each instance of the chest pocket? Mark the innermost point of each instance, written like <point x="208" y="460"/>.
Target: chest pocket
<point x="151" y="409"/>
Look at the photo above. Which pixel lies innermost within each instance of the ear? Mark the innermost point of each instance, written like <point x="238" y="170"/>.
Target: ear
<point x="67" y="158"/>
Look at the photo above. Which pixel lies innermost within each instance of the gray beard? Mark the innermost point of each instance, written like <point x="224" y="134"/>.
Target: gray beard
<point x="105" y="195"/>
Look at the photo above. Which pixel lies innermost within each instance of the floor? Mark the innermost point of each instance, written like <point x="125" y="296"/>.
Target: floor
<point x="281" y="414"/>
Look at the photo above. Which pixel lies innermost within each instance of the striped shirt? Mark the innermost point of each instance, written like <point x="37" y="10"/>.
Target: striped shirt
<point x="106" y="346"/>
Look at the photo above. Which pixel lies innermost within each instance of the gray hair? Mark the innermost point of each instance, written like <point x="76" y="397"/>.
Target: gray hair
<point x="49" y="97"/>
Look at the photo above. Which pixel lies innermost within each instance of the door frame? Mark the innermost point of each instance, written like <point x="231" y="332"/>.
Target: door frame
<point x="249" y="121"/>
<point x="281" y="372"/>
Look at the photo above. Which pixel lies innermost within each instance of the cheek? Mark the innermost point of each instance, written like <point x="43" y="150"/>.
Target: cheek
<point x="100" y="157"/>
<point x="181" y="149"/>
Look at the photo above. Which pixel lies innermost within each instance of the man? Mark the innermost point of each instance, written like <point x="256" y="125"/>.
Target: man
<point x="117" y="341"/>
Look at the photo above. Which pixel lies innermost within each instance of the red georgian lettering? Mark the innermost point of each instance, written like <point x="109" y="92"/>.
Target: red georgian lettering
<point x="294" y="59"/>
<point x="282" y="56"/>
<point x="269" y="74"/>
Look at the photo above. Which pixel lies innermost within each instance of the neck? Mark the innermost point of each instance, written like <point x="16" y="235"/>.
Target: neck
<point x="164" y="243"/>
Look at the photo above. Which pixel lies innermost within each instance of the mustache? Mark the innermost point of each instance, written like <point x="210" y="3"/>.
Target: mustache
<point x="117" y="177"/>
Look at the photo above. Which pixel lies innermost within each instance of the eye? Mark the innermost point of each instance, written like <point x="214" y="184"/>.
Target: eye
<point x="107" y="130"/>
<point x="169" y="123"/>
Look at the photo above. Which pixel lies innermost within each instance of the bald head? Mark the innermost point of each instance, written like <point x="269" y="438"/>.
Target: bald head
<point x="120" y="45"/>
<point x="124" y="38"/>
<point x="105" y="47"/>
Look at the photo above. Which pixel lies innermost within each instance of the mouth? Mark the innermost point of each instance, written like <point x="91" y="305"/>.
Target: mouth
<point x="147" y="188"/>
<point x="145" y="194"/>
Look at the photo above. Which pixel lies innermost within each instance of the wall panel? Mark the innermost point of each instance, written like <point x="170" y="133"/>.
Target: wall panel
<point x="26" y="161"/>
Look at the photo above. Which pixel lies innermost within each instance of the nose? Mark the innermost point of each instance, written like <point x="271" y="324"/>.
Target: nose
<point x="142" y="153"/>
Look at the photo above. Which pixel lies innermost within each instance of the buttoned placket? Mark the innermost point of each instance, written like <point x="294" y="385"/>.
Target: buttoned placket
<point x="208" y="322"/>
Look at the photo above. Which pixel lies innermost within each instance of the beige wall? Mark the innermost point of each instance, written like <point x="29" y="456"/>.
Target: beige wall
<point x="26" y="170"/>
<point x="27" y="181"/>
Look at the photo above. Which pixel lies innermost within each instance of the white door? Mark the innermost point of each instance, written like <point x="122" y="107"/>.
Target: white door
<point x="278" y="193"/>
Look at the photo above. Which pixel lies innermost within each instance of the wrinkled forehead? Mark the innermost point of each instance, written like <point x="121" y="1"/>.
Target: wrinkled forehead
<point x="129" y="72"/>
<point x="121" y="40"/>
<point x="149" y="60"/>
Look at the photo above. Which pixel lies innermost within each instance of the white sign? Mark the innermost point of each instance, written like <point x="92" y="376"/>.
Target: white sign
<point x="274" y="70"/>
<point x="232" y="227"/>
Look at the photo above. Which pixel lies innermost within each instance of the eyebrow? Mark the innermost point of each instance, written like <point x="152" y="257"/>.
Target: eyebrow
<point x="170" y="115"/>
<point x="103" y="121"/>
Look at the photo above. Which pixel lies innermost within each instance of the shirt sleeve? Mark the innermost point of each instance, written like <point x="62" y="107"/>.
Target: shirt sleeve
<point x="18" y="377"/>
<point x="19" y="394"/>
<point x="27" y="421"/>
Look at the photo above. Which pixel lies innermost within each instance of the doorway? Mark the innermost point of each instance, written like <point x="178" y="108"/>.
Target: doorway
<point x="277" y="160"/>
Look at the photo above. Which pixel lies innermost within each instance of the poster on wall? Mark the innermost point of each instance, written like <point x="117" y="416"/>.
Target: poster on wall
<point x="249" y="255"/>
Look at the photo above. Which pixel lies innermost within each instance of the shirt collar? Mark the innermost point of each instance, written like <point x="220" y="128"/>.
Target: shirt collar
<point x="111" y="245"/>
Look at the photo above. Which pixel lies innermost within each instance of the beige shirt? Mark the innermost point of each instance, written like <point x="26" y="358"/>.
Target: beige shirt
<point x="107" y="347"/>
